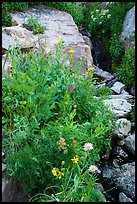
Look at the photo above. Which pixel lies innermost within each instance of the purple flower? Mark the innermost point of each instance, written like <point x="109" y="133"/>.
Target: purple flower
<point x="86" y="77"/>
<point x="69" y="87"/>
<point x="72" y="91"/>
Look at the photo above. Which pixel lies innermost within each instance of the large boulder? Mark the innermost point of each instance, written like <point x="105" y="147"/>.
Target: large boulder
<point x="129" y="29"/>
<point x="122" y="177"/>
<point x="119" y="106"/>
<point x="57" y="25"/>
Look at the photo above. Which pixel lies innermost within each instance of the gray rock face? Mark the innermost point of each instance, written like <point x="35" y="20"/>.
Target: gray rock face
<point x="117" y="87"/>
<point x="126" y="179"/>
<point x="130" y="143"/>
<point x="88" y="41"/>
<point x="124" y="198"/>
<point x="119" y="106"/>
<point x="11" y="192"/>
<point x="124" y="126"/>
<point x="102" y="74"/>
<point x="57" y="25"/>
<point x="3" y="167"/>
<point x="128" y="28"/>
<point x="123" y="178"/>
<point x="125" y="95"/>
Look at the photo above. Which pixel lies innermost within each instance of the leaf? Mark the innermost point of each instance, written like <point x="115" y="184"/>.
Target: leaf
<point x="72" y="114"/>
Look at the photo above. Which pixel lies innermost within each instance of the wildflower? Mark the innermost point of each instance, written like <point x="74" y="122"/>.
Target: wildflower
<point x="61" y="143"/>
<point x="93" y="168"/>
<point x="72" y="91"/>
<point x="60" y="174"/>
<point x="69" y="87"/>
<point x="74" y="141"/>
<point x="62" y="139"/>
<point x="75" y="106"/>
<point x="91" y="69"/>
<point x="86" y="73"/>
<point x="59" y="40"/>
<point x="62" y="162"/>
<point x="75" y="160"/>
<point x="54" y="171"/>
<point x="71" y="51"/>
<point x="88" y="146"/>
<point x="86" y="77"/>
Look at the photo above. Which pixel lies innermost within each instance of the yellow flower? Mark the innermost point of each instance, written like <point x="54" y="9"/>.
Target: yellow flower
<point x="91" y="69"/>
<point x="60" y="174"/>
<point x="71" y="51"/>
<point x="62" y="162"/>
<point x="59" y="40"/>
<point x="86" y="73"/>
<point x="75" y="160"/>
<point x="75" y="106"/>
<point x="54" y="171"/>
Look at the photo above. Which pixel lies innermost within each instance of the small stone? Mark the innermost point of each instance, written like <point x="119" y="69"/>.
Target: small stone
<point x="124" y="126"/>
<point x="117" y="87"/>
<point x="124" y="198"/>
<point x="3" y="167"/>
<point x="115" y="163"/>
<point x="130" y="143"/>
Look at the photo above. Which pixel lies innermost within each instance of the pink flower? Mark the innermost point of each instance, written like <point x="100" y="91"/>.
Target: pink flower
<point x="74" y="141"/>
<point x="62" y="139"/>
<point x="69" y="87"/>
<point x="72" y="91"/>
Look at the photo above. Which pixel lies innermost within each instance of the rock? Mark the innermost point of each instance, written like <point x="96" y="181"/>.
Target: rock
<point x="58" y="24"/>
<point x="124" y="95"/>
<point x="130" y="143"/>
<point x="128" y="29"/>
<point x="124" y="126"/>
<point x="116" y="163"/>
<point x="88" y="42"/>
<point x="117" y="87"/>
<point x="117" y="138"/>
<point x="12" y="192"/>
<point x="124" y="198"/>
<point x="110" y="83"/>
<point x="17" y="36"/>
<point x="3" y="167"/>
<point x="102" y="74"/>
<point x="132" y="89"/>
<point x="120" y="107"/>
<point x="119" y="152"/>
<point x="123" y="178"/>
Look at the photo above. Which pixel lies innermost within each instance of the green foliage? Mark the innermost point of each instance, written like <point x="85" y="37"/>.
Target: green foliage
<point x="8" y="7"/>
<point x="6" y="18"/>
<point x="33" y="25"/>
<point x="45" y="100"/>
<point x="116" y="50"/>
<point x="103" y="91"/>
<point x="126" y="70"/>
<point x="133" y="112"/>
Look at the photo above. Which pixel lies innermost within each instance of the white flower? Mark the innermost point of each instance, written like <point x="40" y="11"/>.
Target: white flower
<point x="88" y="146"/>
<point x="93" y="169"/>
